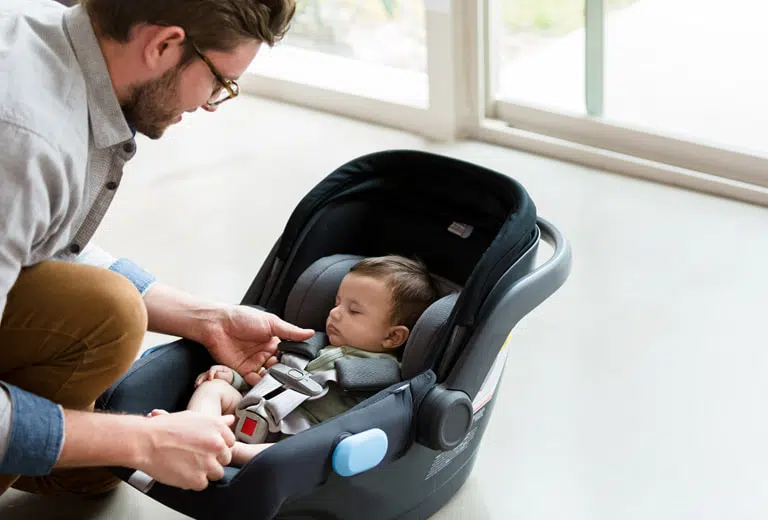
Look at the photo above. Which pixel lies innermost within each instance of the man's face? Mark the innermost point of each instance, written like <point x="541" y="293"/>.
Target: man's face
<point x="156" y="104"/>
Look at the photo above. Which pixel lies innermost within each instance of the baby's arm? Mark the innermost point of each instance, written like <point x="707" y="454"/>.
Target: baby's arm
<point x="225" y="374"/>
<point x="215" y="372"/>
<point x="242" y="452"/>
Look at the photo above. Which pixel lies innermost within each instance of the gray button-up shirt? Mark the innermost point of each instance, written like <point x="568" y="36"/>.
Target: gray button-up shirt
<point x="64" y="143"/>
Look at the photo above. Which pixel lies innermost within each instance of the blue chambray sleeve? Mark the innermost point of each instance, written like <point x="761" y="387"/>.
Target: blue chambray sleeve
<point x="96" y="256"/>
<point x="138" y="276"/>
<point x="32" y="433"/>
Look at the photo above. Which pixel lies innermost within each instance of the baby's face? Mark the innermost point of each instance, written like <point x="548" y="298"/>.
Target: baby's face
<point x="361" y="316"/>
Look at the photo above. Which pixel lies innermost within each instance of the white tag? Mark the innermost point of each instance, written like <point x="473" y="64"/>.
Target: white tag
<point x="462" y="230"/>
<point x="141" y="481"/>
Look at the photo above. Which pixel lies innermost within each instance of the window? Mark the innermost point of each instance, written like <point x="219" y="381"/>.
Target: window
<point x="540" y="47"/>
<point x="690" y="68"/>
<point x="670" y="90"/>
<point x="370" y="48"/>
<point x="679" y="83"/>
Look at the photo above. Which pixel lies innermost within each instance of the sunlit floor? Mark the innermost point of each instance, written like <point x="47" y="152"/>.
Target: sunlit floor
<point x="636" y="392"/>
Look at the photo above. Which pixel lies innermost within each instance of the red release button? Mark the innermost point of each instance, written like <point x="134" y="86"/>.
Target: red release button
<point x="249" y="426"/>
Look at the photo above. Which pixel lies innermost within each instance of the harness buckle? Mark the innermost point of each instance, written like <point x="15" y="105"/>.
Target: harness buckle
<point x="252" y="427"/>
<point x="296" y="379"/>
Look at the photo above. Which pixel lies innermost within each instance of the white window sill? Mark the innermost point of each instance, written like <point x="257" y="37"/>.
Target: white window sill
<point x="349" y="76"/>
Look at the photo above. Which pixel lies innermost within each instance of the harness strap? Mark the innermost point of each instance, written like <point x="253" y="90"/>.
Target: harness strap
<point x="294" y="423"/>
<point x="267" y="385"/>
<point x="324" y="377"/>
<point x="295" y="361"/>
<point x="283" y="404"/>
<point x="298" y="386"/>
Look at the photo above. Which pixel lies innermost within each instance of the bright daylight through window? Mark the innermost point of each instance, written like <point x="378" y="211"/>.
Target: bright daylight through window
<point x="370" y="48"/>
<point x="693" y="69"/>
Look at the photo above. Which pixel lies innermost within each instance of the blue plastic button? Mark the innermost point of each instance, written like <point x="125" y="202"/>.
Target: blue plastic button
<point x="359" y="453"/>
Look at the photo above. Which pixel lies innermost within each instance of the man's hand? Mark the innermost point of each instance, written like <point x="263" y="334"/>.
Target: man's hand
<point x="242" y="338"/>
<point x="186" y="449"/>
<point x="246" y="339"/>
<point x="215" y="372"/>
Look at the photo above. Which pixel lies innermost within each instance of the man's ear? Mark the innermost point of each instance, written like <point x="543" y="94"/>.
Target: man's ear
<point x="164" y="49"/>
<point x="396" y="337"/>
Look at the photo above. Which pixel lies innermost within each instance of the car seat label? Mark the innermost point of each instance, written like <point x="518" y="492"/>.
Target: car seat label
<point x="462" y="230"/>
<point x="491" y="382"/>
<point x="482" y="398"/>
<point x="443" y="460"/>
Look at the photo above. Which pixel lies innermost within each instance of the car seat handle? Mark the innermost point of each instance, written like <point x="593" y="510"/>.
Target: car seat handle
<point x="471" y="367"/>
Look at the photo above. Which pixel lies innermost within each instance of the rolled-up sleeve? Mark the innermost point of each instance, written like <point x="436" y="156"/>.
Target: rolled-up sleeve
<point x="31" y="432"/>
<point x="96" y="256"/>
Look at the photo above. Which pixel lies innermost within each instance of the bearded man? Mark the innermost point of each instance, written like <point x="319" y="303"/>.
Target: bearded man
<point x="77" y="84"/>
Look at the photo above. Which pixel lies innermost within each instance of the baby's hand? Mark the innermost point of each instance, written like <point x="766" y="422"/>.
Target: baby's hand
<point x="215" y="372"/>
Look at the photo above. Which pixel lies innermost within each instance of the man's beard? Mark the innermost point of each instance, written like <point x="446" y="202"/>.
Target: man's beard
<point x="151" y="108"/>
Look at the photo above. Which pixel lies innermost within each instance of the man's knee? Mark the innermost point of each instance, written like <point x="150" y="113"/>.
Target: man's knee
<point x="78" y="329"/>
<point x="123" y="316"/>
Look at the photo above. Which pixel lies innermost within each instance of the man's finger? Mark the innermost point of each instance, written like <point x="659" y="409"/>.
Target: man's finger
<point x="225" y="457"/>
<point x="252" y="378"/>
<point x="254" y="362"/>
<point x="284" y="330"/>
<point x="226" y="431"/>
<point x="229" y="439"/>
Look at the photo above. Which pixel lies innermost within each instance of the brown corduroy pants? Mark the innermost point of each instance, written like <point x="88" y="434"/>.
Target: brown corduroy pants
<point x="67" y="333"/>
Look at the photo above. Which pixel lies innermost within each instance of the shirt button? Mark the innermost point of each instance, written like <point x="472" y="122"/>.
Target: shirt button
<point x="111" y="185"/>
<point x="128" y="147"/>
<point x="74" y="249"/>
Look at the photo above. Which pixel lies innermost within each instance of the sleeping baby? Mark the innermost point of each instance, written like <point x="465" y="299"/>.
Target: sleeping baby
<point x="377" y="305"/>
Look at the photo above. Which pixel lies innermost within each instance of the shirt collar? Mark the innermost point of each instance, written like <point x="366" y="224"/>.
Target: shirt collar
<point x="108" y="123"/>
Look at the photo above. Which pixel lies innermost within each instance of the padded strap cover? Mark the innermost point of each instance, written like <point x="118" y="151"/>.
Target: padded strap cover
<point x="367" y="375"/>
<point x="308" y="348"/>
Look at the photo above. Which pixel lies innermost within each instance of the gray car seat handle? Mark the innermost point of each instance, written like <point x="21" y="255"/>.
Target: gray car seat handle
<point x="524" y="295"/>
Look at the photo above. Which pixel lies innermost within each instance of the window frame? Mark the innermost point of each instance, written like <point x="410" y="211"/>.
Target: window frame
<point x="462" y="76"/>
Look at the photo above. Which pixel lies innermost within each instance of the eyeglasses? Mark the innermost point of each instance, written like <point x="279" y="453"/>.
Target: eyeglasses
<point x="219" y="95"/>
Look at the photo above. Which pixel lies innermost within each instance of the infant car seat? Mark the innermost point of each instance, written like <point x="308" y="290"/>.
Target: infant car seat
<point x="404" y="451"/>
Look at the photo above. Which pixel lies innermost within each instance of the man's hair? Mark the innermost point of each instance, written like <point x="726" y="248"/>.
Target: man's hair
<point x="212" y="24"/>
<point x="413" y="289"/>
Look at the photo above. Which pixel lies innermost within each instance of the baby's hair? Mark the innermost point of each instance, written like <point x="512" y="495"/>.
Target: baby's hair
<point x="413" y="289"/>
